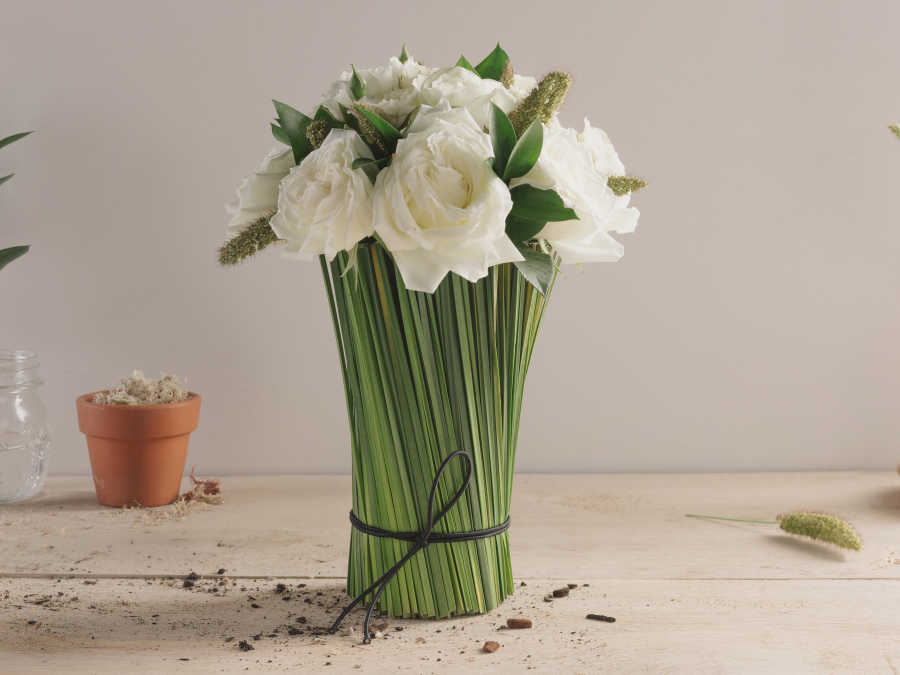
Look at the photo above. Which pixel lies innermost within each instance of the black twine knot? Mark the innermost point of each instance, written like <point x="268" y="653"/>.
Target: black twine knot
<point x="419" y="540"/>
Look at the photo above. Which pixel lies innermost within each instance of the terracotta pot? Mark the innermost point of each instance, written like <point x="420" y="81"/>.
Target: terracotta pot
<point x="137" y="452"/>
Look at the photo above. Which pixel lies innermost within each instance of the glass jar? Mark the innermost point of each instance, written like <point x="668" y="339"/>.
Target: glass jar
<point x="24" y="432"/>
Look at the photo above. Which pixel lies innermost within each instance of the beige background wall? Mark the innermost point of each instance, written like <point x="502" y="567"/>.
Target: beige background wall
<point x="752" y="324"/>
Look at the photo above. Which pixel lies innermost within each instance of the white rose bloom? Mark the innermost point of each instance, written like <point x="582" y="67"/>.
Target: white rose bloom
<point x="521" y="86"/>
<point x="392" y="90"/>
<point x="257" y="195"/>
<point x="439" y="207"/>
<point x="577" y="166"/>
<point x="462" y="88"/>
<point x="324" y="206"/>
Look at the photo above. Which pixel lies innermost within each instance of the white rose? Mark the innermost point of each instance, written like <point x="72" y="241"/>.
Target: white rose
<point x="257" y="195"/>
<point x="521" y="86"/>
<point x="577" y="166"/>
<point x="439" y="207"/>
<point x="325" y="206"/>
<point x="392" y="90"/>
<point x="462" y="88"/>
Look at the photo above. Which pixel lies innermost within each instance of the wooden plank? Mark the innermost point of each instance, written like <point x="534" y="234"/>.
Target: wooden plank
<point x="625" y="526"/>
<point x="661" y="627"/>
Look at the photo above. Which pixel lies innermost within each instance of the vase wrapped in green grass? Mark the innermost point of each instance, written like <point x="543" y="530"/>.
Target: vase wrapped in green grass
<point x="440" y="202"/>
<point x="425" y="375"/>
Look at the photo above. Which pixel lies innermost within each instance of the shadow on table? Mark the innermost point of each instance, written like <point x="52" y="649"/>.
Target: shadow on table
<point x="74" y="500"/>
<point x="821" y="551"/>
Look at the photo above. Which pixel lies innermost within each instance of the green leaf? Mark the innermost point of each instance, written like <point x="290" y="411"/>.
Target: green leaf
<point x="404" y="57"/>
<point x="464" y="63"/>
<point x="348" y="117"/>
<point x="525" y="153"/>
<point x="494" y="63"/>
<point x="323" y="114"/>
<point x="361" y="162"/>
<point x="520" y="229"/>
<point x="280" y="134"/>
<point x="532" y="209"/>
<point x="503" y="138"/>
<point x="357" y="85"/>
<point x="382" y="126"/>
<point x="12" y="139"/>
<point x="410" y="118"/>
<point x="7" y="255"/>
<point x="6" y="178"/>
<point x="294" y="123"/>
<point x="536" y="204"/>
<point x="537" y="268"/>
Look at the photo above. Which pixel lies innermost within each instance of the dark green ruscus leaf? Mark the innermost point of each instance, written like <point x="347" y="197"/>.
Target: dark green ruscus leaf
<point x="525" y="153"/>
<point x="493" y="65"/>
<point x="7" y="255"/>
<point x="357" y="85"/>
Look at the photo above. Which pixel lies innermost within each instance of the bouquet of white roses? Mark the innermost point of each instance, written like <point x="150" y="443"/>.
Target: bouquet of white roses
<point x="405" y="173"/>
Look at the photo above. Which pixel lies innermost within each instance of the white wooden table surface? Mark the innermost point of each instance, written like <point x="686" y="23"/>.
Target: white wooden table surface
<point x="85" y="588"/>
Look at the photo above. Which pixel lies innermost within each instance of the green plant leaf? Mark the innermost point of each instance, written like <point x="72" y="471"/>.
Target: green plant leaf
<point x="410" y="118"/>
<point x="503" y="138"/>
<point x="520" y="229"/>
<point x="537" y="204"/>
<point x="12" y="139"/>
<point x="323" y="114"/>
<point x="404" y="57"/>
<point x="280" y="134"/>
<point x="494" y="63"/>
<point x="532" y="209"/>
<point x="464" y="63"/>
<point x="525" y="153"/>
<point x="385" y="129"/>
<point x="349" y="120"/>
<point x="6" y="178"/>
<point x="537" y="268"/>
<point x="357" y="85"/>
<point x="361" y="162"/>
<point x="294" y="123"/>
<point x="7" y="255"/>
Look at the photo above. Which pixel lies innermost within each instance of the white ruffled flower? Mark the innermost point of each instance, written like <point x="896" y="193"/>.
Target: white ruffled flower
<point x="324" y="205"/>
<point x="439" y="207"/>
<point x="257" y="195"/>
<point x="577" y="166"/>
<point x="462" y="88"/>
<point x="392" y="90"/>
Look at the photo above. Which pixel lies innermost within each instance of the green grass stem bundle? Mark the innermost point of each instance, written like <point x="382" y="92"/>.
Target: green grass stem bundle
<point x="426" y="375"/>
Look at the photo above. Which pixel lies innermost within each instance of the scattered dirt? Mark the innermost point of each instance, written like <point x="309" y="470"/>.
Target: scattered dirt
<point x="601" y="617"/>
<point x="518" y="623"/>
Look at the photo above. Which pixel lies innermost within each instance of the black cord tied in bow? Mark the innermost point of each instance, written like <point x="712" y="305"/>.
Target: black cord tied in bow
<point x="419" y="540"/>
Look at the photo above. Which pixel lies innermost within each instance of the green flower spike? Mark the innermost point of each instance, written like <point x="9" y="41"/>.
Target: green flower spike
<point x="622" y="185"/>
<point x="817" y="526"/>
<point x="544" y="100"/>
<point x="368" y="132"/>
<point x="255" y="237"/>
<point x="507" y="77"/>
<point x="896" y="129"/>
<point x="821" y="527"/>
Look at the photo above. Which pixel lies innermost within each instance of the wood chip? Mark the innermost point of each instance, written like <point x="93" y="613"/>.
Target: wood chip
<point x="518" y="623"/>
<point x="601" y="617"/>
<point x="490" y="646"/>
<point x="561" y="592"/>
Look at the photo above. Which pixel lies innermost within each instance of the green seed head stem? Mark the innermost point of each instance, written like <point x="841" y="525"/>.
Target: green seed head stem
<point x="622" y="185"/>
<point x="544" y="100"/>
<point x="255" y="237"/>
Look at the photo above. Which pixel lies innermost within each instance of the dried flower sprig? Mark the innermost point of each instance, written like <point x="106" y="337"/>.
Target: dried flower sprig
<point x="255" y="237"/>
<point x="622" y="185"/>
<point x="544" y="100"/>
<point x="818" y="526"/>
